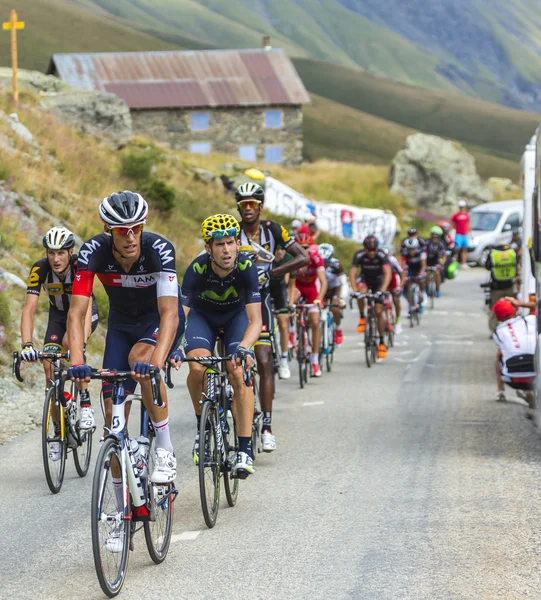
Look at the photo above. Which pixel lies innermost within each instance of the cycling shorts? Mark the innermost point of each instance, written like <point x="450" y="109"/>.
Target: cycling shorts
<point x="122" y="337"/>
<point x="203" y="329"/>
<point x="57" y="327"/>
<point x="332" y="293"/>
<point x="278" y="293"/>
<point x="309" y="293"/>
<point x="433" y="263"/>
<point x="267" y="318"/>
<point x="372" y="284"/>
<point x="395" y="282"/>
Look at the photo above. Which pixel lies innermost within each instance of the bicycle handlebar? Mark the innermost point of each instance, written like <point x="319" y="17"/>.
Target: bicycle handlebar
<point x="213" y="360"/>
<point x="155" y="378"/>
<point x="16" y="368"/>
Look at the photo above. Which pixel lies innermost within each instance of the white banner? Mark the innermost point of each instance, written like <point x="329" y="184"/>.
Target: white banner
<point x="340" y="220"/>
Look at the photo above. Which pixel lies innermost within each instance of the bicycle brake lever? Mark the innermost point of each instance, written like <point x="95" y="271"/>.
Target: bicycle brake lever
<point x="17" y="367"/>
<point x="168" y="381"/>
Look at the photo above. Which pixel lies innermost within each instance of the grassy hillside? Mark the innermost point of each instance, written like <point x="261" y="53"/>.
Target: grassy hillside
<point x="496" y="129"/>
<point x="54" y="26"/>
<point x="341" y="133"/>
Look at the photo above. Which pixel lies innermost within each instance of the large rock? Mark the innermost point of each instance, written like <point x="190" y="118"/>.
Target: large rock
<point x="435" y="174"/>
<point x="31" y="81"/>
<point x="96" y="113"/>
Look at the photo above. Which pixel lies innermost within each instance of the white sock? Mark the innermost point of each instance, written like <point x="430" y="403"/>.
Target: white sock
<point x="314" y="359"/>
<point x="119" y="493"/>
<point x="163" y="435"/>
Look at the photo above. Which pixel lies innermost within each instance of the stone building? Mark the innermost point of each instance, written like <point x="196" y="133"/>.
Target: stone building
<point x="245" y="103"/>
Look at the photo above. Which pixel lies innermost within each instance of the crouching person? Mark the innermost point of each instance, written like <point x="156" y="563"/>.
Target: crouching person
<point x="516" y="338"/>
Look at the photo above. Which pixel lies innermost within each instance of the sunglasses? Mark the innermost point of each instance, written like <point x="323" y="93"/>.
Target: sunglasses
<point x="124" y="231"/>
<point x="218" y="234"/>
<point x="249" y="203"/>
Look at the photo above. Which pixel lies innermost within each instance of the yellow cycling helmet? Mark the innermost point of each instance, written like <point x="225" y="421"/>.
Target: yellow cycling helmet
<point x="219" y="226"/>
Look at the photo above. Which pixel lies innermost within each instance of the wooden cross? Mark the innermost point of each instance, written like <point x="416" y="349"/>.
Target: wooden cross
<point x="13" y="25"/>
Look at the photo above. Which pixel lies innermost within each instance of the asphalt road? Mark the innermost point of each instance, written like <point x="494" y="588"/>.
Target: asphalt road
<point x="403" y="481"/>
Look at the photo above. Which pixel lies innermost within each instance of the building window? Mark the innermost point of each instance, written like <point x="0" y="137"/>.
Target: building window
<point x="247" y="153"/>
<point x="273" y="119"/>
<point x="273" y="154"/>
<point x="200" y="148"/>
<point x="200" y="121"/>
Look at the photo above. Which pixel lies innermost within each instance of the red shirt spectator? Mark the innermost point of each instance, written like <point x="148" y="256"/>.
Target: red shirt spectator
<point x="461" y="221"/>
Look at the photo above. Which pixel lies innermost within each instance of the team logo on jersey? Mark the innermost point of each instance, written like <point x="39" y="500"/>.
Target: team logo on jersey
<point x="212" y="295"/>
<point x="54" y="337"/>
<point x="200" y="268"/>
<point x="87" y="250"/>
<point x="55" y="289"/>
<point x="247" y="263"/>
<point x="164" y="253"/>
<point x="172" y="277"/>
<point x="33" y="278"/>
<point x="285" y="234"/>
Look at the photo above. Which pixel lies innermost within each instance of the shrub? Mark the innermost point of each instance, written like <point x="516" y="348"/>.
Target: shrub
<point x="161" y="195"/>
<point x="138" y="165"/>
<point x="5" y="310"/>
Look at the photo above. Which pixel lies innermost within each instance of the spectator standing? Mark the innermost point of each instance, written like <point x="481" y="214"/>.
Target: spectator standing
<point x="502" y="264"/>
<point x="461" y="221"/>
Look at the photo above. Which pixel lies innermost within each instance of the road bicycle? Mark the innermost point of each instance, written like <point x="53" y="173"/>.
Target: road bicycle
<point x="414" y="301"/>
<point x="60" y="410"/>
<point x="304" y="348"/>
<point x="257" y="422"/>
<point x="431" y="288"/>
<point x="122" y="493"/>
<point x="371" y="334"/>
<point x="328" y="333"/>
<point x="218" y="443"/>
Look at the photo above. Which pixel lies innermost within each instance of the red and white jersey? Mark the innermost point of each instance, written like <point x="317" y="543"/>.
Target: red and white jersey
<point x="516" y="337"/>
<point x="308" y="275"/>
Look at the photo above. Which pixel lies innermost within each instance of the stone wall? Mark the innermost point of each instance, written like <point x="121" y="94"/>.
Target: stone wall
<point x="228" y="129"/>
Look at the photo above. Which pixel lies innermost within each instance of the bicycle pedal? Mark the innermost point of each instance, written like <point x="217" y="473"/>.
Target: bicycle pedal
<point x="239" y="475"/>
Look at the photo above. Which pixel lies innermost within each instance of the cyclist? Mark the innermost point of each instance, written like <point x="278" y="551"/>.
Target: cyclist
<point x="449" y="242"/>
<point x="267" y="235"/>
<point x="220" y="292"/>
<point x="55" y="274"/>
<point x="395" y="285"/>
<point x="337" y="287"/>
<point x="371" y="270"/>
<point x="414" y="267"/>
<point x="412" y="234"/>
<point x="137" y="270"/>
<point x="435" y="255"/>
<point x="306" y="282"/>
<point x="280" y="291"/>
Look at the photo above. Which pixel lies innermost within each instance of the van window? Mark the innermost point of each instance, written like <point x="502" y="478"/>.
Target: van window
<point x="484" y="221"/>
<point x="513" y="220"/>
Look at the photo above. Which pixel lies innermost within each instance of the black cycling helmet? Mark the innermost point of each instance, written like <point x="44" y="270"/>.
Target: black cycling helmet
<point x="123" y="208"/>
<point x="371" y="242"/>
<point x="249" y="191"/>
<point x="412" y="231"/>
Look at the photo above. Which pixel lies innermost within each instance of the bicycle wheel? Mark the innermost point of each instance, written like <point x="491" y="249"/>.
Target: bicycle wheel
<point x="82" y="453"/>
<point x="431" y="292"/>
<point x="390" y="328"/>
<point x="367" y="343"/>
<point x="256" y="429"/>
<point x="54" y="469"/>
<point x="209" y="465"/>
<point x="160" y="499"/>
<point x="374" y="345"/>
<point x="110" y="530"/>
<point x="301" y="355"/>
<point x="231" y="486"/>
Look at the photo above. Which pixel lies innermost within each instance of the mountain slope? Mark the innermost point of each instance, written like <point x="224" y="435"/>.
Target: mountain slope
<point x="53" y="26"/>
<point x="497" y="129"/>
<point x="489" y="49"/>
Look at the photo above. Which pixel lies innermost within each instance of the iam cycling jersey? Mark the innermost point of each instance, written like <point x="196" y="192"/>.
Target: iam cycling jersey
<point x="271" y="236"/>
<point x="203" y="290"/>
<point x="133" y="295"/>
<point x="434" y="253"/>
<point x="58" y="290"/>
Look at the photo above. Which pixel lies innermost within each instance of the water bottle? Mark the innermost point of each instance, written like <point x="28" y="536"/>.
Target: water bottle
<point x="144" y="449"/>
<point x="139" y="465"/>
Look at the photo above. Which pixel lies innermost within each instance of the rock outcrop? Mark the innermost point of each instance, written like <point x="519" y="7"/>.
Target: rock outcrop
<point x="96" y="113"/>
<point x="435" y="174"/>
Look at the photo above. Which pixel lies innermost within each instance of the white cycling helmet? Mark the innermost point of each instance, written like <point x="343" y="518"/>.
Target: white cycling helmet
<point x="412" y="243"/>
<point x="123" y="208"/>
<point x="326" y="251"/>
<point x="58" y="238"/>
<point x="248" y="191"/>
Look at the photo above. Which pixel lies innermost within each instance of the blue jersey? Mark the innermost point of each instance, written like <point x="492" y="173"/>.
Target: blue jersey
<point x="203" y="290"/>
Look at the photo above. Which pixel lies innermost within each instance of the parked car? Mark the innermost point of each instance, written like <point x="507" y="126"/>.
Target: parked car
<point x="493" y="224"/>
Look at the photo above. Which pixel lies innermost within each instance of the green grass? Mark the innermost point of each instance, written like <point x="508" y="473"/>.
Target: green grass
<point x="495" y="129"/>
<point x="342" y="133"/>
<point x="52" y="26"/>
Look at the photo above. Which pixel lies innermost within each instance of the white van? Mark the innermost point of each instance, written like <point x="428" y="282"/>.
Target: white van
<point x="492" y="224"/>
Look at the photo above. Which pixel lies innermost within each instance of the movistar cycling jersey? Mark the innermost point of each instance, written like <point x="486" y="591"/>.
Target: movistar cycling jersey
<point x="271" y="236"/>
<point x="57" y="289"/>
<point x="203" y="290"/>
<point x="134" y="294"/>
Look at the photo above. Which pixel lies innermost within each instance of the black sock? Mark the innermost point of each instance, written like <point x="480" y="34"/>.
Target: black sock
<point x="84" y="397"/>
<point x="267" y="418"/>
<point x="245" y="445"/>
<point x="198" y="418"/>
<point x="381" y="340"/>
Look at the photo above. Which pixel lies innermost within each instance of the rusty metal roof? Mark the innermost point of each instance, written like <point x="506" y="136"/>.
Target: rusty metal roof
<point x="207" y="78"/>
